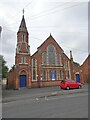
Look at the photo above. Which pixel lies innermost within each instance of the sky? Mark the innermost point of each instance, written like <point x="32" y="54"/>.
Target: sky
<point x="66" y="20"/>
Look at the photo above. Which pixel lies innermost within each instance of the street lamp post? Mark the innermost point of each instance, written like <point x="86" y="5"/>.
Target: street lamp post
<point x="0" y="31"/>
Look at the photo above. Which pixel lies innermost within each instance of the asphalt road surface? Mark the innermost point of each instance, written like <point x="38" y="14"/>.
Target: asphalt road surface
<point x="65" y="106"/>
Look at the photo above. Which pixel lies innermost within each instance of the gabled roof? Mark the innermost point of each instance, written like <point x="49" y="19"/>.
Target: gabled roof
<point x="47" y="40"/>
<point x="34" y="53"/>
<point x="23" y="27"/>
<point x="87" y="59"/>
<point x="66" y="56"/>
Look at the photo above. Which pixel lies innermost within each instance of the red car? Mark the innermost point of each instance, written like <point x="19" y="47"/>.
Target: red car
<point x="68" y="84"/>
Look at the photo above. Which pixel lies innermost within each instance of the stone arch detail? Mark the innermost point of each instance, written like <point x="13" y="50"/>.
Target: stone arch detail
<point x="23" y="72"/>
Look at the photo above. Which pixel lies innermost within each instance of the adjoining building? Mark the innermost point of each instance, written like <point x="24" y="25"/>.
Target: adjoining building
<point x="84" y="70"/>
<point x="46" y="67"/>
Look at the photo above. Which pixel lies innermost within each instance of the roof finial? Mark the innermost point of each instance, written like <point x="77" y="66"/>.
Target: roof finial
<point x="23" y="11"/>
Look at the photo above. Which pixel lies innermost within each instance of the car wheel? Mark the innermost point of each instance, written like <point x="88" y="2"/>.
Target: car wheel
<point x="79" y="86"/>
<point x="67" y="88"/>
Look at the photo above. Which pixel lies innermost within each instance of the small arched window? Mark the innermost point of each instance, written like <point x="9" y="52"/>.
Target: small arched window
<point x="23" y="38"/>
<point x="23" y="60"/>
<point x="51" y="55"/>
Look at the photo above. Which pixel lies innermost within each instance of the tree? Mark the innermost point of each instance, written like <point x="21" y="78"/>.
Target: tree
<point x="3" y="67"/>
<point x="76" y="64"/>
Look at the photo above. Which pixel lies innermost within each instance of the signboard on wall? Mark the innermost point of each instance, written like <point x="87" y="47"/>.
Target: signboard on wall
<point x="53" y="75"/>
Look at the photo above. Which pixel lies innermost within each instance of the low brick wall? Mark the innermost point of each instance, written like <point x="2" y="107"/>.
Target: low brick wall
<point x="45" y="83"/>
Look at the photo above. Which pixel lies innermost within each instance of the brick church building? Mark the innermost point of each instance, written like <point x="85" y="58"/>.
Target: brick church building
<point x="46" y="67"/>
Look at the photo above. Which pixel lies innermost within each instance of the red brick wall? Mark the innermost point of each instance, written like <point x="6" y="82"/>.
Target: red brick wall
<point x="43" y="48"/>
<point x="86" y="70"/>
<point x="18" y="59"/>
<point x="45" y="83"/>
<point x="19" y="36"/>
<point x="13" y="76"/>
<point x="11" y="79"/>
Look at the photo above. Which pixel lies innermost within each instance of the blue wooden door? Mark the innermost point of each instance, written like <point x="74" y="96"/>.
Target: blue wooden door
<point x="22" y="80"/>
<point x="77" y="77"/>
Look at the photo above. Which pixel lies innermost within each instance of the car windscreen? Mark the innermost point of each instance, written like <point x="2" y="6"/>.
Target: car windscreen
<point x="62" y="81"/>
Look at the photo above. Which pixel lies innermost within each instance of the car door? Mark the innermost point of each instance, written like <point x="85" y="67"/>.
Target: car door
<point x="69" y="83"/>
<point x="73" y="84"/>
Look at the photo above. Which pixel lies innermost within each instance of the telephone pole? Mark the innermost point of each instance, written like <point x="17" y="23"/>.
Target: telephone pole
<point x="0" y="56"/>
<point x="0" y="31"/>
<point x="0" y="40"/>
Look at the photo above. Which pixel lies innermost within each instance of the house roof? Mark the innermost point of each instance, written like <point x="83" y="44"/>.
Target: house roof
<point x="87" y="59"/>
<point x="50" y="37"/>
<point x="47" y="40"/>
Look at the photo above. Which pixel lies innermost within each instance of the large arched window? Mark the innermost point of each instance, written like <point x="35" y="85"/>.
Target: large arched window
<point x="34" y="69"/>
<point x="51" y="55"/>
<point x="58" y="59"/>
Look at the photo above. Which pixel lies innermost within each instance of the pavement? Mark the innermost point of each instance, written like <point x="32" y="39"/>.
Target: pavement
<point x="35" y="93"/>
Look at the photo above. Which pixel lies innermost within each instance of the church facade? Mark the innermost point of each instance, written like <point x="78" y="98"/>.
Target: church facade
<point x="48" y="66"/>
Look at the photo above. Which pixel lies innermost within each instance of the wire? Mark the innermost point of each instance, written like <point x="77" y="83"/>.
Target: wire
<point x="19" y="12"/>
<point x="41" y="12"/>
<point x="33" y="15"/>
<point x="36" y="27"/>
<point x="28" y="4"/>
<point x="5" y="28"/>
<point x="82" y="51"/>
<point x="52" y="8"/>
<point x="78" y="51"/>
<point x="53" y="30"/>
<point x="56" y="11"/>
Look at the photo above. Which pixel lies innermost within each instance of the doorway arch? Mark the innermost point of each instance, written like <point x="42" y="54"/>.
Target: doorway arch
<point x="77" y="77"/>
<point x="22" y="79"/>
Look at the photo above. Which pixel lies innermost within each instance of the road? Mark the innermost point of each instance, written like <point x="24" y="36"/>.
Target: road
<point x="13" y="95"/>
<point x="65" y="106"/>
